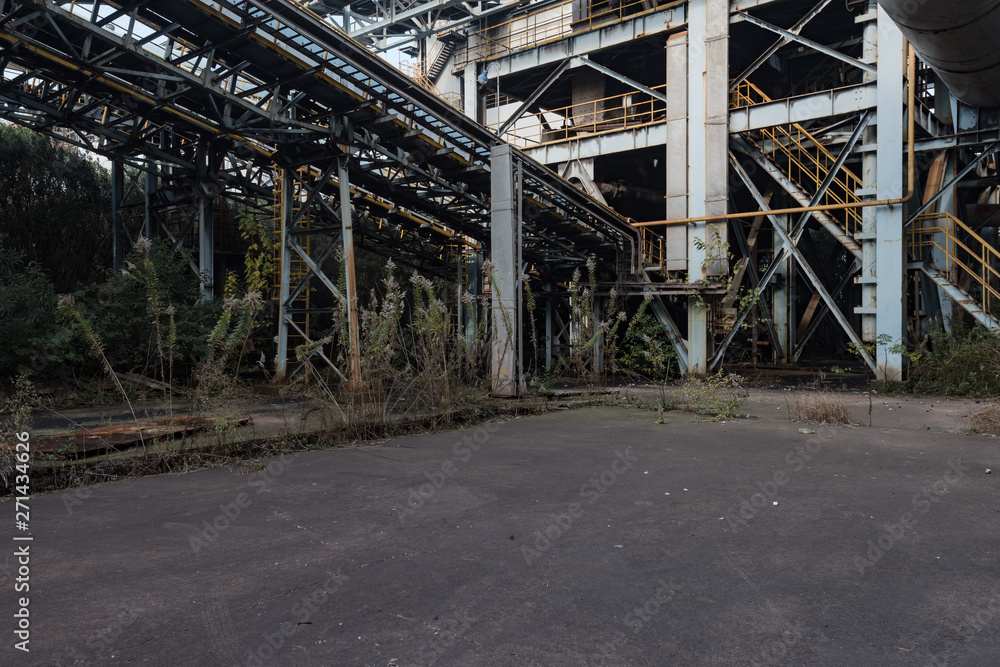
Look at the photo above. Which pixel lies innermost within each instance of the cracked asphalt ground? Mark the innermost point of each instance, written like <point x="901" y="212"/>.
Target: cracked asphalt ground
<point x="591" y="536"/>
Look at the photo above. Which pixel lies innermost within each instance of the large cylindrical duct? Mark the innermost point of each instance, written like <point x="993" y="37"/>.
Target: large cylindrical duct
<point x="960" y="40"/>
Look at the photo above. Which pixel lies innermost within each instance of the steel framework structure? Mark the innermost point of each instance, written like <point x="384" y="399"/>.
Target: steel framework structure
<point x="827" y="225"/>
<point x="224" y="97"/>
<point x="755" y="106"/>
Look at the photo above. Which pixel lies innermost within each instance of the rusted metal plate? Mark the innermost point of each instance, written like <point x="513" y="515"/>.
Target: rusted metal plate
<point x="117" y="437"/>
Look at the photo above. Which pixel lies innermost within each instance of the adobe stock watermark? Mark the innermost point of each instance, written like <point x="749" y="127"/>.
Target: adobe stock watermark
<point x="970" y="626"/>
<point x="230" y="513"/>
<point x="451" y="629"/>
<point x="590" y="493"/>
<point x="463" y="452"/>
<point x="776" y="650"/>
<point x="638" y="618"/>
<point x="76" y="497"/>
<point x="795" y="460"/>
<point x="922" y="501"/>
<point x="302" y="613"/>
<point x="103" y="640"/>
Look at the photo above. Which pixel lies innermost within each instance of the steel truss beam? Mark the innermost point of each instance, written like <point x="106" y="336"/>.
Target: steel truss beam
<point x="816" y="46"/>
<point x="197" y="90"/>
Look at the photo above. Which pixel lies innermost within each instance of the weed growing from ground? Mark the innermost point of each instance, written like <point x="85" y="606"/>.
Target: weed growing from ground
<point x="820" y="408"/>
<point x="719" y="396"/>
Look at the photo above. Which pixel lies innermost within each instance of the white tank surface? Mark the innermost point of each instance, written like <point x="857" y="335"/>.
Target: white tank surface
<point x="960" y="40"/>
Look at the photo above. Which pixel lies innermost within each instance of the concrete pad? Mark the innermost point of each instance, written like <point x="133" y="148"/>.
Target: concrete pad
<point x="577" y="537"/>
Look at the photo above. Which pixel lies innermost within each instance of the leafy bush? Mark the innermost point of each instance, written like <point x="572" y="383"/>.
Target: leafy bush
<point x="646" y="349"/>
<point x="963" y="361"/>
<point x="149" y="312"/>
<point x="34" y="342"/>
<point x="54" y="207"/>
<point x="718" y="396"/>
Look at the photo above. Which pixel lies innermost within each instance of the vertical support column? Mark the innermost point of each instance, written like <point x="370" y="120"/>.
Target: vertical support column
<point x="504" y="242"/>
<point x="149" y="187"/>
<point x="287" y="188"/>
<point x="948" y="203"/>
<point x="717" y="134"/>
<point x="548" y="328"/>
<point x="869" y="164"/>
<point x="470" y="102"/>
<point x="676" y="236"/>
<point x="475" y="271"/>
<point x="460" y="290"/>
<point x="890" y="249"/>
<point x="206" y="248"/>
<point x="783" y="296"/>
<point x="697" y="64"/>
<point x="117" y="198"/>
<point x="599" y="343"/>
<point x="347" y="230"/>
<point x="708" y="132"/>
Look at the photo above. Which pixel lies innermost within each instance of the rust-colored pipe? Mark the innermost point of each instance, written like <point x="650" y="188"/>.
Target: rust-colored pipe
<point x="911" y="175"/>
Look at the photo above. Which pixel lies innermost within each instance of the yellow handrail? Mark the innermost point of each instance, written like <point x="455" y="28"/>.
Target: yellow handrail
<point x="965" y="253"/>
<point x="652" y="249"/>
<point x="608" y="114"/>
<point x="806" y="160"/>
<point x="549" y="24"/>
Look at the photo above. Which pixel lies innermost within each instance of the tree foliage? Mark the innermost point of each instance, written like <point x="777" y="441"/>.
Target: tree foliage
<point x="55" y="207"/>
<point x="33" y="340"/>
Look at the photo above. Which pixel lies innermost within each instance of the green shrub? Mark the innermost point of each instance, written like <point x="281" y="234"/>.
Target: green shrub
<point x="646" y="349"/>
<point x="34" y="341"/>
<point x="150" y="312"/>
<point x="963" y="361"/>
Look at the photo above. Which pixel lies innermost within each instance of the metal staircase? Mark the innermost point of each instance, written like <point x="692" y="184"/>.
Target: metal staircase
<point x="960" y="261"/>
<point x="806" y="165"/>
<point x="298" y="309"/>
<point x="440" y="60"/>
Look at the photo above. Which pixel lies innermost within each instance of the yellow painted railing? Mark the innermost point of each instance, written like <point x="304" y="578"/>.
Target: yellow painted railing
<point x="968" y="258"/>
<point x="608" y="114"/>
<point x="549" y="24"/>
<point x="652" y="248"/>
<point x="416" y="71"/>
<point x="805" y="160"/>
<point x="297" y="267"/>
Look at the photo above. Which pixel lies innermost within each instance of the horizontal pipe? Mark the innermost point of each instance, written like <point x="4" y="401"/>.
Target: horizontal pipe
<point x="911" y="177"/>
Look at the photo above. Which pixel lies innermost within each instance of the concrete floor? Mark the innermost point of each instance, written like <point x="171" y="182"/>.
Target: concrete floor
<point x="579" y="537"/>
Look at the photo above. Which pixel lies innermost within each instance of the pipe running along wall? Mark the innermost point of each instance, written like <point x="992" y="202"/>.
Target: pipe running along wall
<point x="958" y="39"/>
<point x="910" y="177"/>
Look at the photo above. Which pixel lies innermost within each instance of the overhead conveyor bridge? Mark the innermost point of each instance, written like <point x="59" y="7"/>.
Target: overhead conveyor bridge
<point x="230" y="97"/>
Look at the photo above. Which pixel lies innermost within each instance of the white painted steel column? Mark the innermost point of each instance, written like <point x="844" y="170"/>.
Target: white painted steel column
<point x="676" y="236"/>
<point x="287" y="185"/>
<point x="869" y="216"/>
<point x="471" y="101"/>
<point x="708" y="139"/>
<point x="506" y="296"/>
<point x="890" y="250"/>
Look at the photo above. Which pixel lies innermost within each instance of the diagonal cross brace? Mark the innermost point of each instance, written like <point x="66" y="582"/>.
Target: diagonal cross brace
<point x="771" y="50"/>
<point x="825" y="50"/>
<point x="789" y="247"/>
